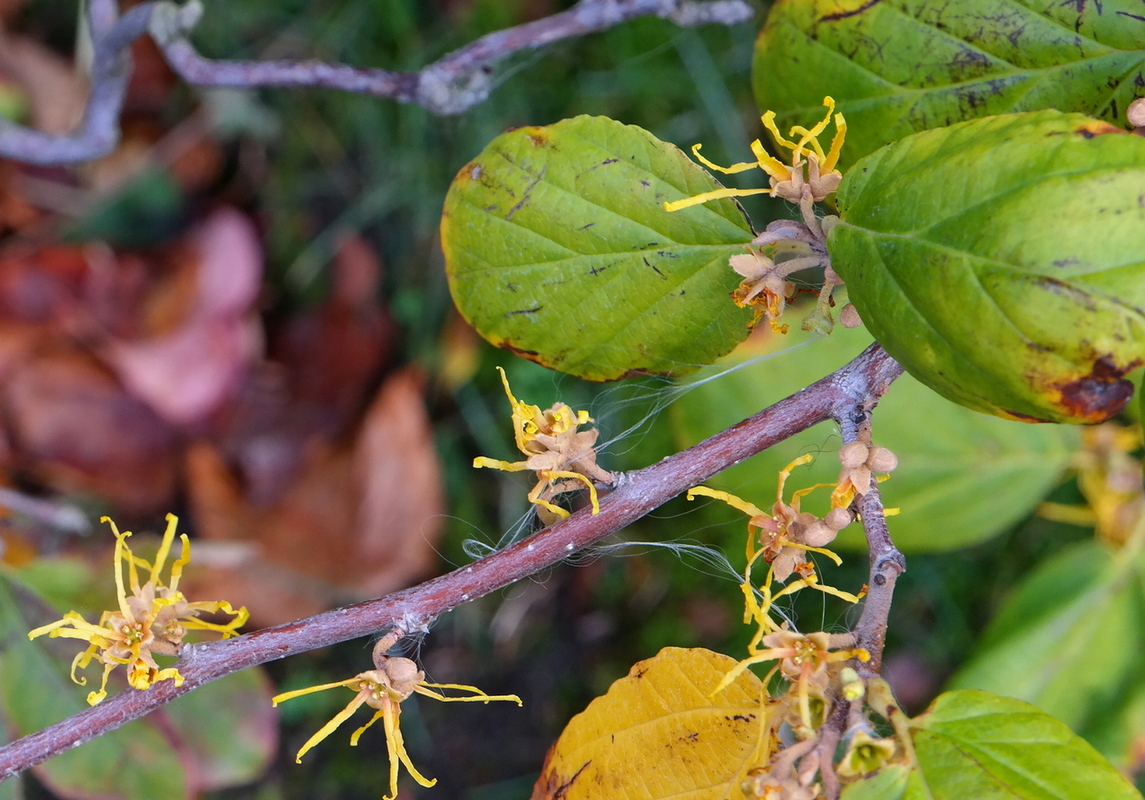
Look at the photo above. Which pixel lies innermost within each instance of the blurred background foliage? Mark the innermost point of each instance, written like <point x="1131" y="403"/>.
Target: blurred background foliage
<point x="349" y="382"/>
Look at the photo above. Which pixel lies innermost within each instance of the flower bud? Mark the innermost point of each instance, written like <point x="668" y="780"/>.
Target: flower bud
<point x="853" y="455"/>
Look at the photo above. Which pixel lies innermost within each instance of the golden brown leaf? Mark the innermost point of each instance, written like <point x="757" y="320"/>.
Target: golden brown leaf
<point x="658" y="733"/>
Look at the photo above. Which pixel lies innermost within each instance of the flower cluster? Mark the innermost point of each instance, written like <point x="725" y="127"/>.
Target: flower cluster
<point x="151" y="620"/>
<point x="383" y="689"/>
<point x="786" y="534"/>
<point x="563" y="457"/>
<point x="786" y="247"/>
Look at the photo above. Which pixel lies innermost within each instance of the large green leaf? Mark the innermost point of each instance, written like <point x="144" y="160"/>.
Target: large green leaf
<point x="1068" y="638"/>
<point x="558" y="248"/>
<point x="949" y="457"/>
<point x="1002" y="261"/>
<point x="977" y="745"/>
<point x="900" y="66"/>
<point x="228" y="729"/>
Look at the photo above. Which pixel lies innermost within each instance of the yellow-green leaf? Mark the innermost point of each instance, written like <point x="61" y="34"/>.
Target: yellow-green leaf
<point x="1002" y="261"/>
<point x="979" y="746"/>
<point x="558" y="247"/>
<point x="900" y="66"/>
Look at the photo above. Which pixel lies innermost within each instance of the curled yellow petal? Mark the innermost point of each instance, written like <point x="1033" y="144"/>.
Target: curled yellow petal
<point x="737" y="503"/>
<point x="282" y="698"/>
<point x="732" y="170"/>
<point x="477" y="697"/>
<point x="332" y="725"/>
<point x="506" y="466"/>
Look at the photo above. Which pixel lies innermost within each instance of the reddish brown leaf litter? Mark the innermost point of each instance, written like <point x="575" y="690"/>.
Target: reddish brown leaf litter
<point x="142" y="377"/>
<point x="359" y="519"/>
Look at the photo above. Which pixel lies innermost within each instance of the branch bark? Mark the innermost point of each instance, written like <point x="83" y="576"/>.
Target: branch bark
<point x="856" y="385"/>
<point x="451" y="85"/>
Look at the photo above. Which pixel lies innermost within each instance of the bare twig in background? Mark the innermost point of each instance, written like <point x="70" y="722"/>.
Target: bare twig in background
<point x="60" y="516"/>
<point x="857" y="385"/>
<point x="110" y="70"/>
<point x="451" y="85"/>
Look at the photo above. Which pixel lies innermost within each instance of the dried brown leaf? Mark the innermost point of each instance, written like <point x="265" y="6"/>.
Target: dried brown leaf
<point x="74" y="428"/>
<point x="190" y="371"/>
<point x="360" y="520"/>
<point x="56" y="90"/>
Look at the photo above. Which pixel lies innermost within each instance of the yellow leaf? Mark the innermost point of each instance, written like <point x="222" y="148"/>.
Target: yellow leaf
<point x="659" y="733"/>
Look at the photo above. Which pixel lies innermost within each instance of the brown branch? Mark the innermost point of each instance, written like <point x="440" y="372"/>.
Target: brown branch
<point x="887" y="563"/>
<point x="636" y="494"/>
<point x="451" y="85"/>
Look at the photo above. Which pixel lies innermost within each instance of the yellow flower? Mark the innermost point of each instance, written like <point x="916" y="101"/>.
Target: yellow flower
<point x="563" y="457"/>
<point x="764" y="287"/>
<point x="384" y="689"/>
<point x="1109" y="477"/>
<point x="782" y="539"/>
<point x="786" y="535"/>
<point x="812" y="172"/>
<point x="153" y="618"/>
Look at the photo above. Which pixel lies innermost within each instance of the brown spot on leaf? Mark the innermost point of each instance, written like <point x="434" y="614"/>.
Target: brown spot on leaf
<point x="1095" y="127"/>
<point x="540" y="137"/>
<point x="1099" y="395"/>
<point x="853" y="12"/>
<point x="551" y="785"/>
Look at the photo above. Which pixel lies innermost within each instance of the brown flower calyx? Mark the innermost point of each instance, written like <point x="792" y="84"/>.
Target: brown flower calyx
<point x="861" y="462"/>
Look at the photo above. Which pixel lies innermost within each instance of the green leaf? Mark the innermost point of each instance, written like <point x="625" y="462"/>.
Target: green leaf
<point x="557" y="247"/>
<point x="949" y="457"/>
<point x="1117" y="731"/>
<point x="977" y="745"/>
<point x="135" y="762"/>
<point x="1141" y="398"/>
<point x="1068" y="638"/>
<point x="889" y="783"/>
<point x="1002" y="261"/>
<point x="900" y="66"/>
<point x="228" y="729"/>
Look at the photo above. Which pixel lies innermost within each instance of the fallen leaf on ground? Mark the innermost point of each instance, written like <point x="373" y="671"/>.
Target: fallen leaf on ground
<point x="77" y="430"/>
<point x="187" y="373"/>
<point x="360" y="520"/>
<point x="56" y="90"/>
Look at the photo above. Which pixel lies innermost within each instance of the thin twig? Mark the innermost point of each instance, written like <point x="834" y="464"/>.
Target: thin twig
<point x="99" y="132"/>
<point x="636" y="494"/>
<point x="59" y="516"/>
<point x="887" y="563"/>
<point x="451" y="85"/>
